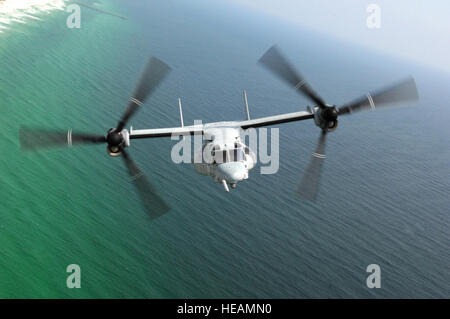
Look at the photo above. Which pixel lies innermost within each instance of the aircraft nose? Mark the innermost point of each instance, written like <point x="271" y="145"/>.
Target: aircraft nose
<point x="231" y="172"/>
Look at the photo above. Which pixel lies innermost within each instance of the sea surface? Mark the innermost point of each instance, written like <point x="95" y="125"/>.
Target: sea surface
<point x="384" y="196"/>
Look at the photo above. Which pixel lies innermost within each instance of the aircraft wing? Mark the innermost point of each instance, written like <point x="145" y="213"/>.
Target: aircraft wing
<point x="198" y="129"/>
<point x="276" y="119"/>
<point x="166" y="132"/>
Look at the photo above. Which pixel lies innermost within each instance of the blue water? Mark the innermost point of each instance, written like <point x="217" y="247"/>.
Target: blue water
<point x="384" y="197"/>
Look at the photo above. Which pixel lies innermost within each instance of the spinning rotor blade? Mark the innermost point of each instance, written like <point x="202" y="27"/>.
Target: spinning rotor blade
<point x="152" y="75"/>
<point x="274" y="61"/>
<point x="35" y="139"/>
<point x="309" y="184"/>
<point x="403" y="91"/>
<point x="154" y="204"/>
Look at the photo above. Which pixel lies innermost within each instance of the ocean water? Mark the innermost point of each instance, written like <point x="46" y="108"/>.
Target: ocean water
<point x="384" y="197"/>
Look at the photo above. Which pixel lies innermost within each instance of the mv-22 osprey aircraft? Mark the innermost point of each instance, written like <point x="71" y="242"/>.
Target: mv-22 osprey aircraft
<point x="232" y="159"/>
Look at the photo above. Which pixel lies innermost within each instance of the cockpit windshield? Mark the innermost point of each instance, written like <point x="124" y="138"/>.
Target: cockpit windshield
<point x="235" y="155"/>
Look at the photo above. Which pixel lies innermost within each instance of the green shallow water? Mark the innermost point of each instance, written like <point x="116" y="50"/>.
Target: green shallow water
<point x="384" y="196"/>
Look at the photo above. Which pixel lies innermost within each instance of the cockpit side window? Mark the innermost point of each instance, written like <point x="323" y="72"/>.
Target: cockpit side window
<point x="226" y="156"/>
<point x="220" y="157"/>
<point x="238" y="155"/>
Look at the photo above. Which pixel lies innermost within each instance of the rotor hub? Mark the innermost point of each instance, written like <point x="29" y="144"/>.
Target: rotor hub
<point x="114" y="138"/>
<point x="115" y="142"/>
<point x="330" y="114"/>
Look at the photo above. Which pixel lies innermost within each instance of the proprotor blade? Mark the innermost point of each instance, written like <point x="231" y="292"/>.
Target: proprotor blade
<point x="35" y="139"/>
<point x="274" y="61"/>
<point x="152" y="75"/>
<point x="403" y="91"/>
<point x="154" y="204"/>
<point x="309" y="184"/>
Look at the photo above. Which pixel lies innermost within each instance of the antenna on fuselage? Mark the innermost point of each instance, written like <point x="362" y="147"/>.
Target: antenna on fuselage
<point x="181" y="112"/>
<point x="181" y="115"/>
<point x="246" y="105"/>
